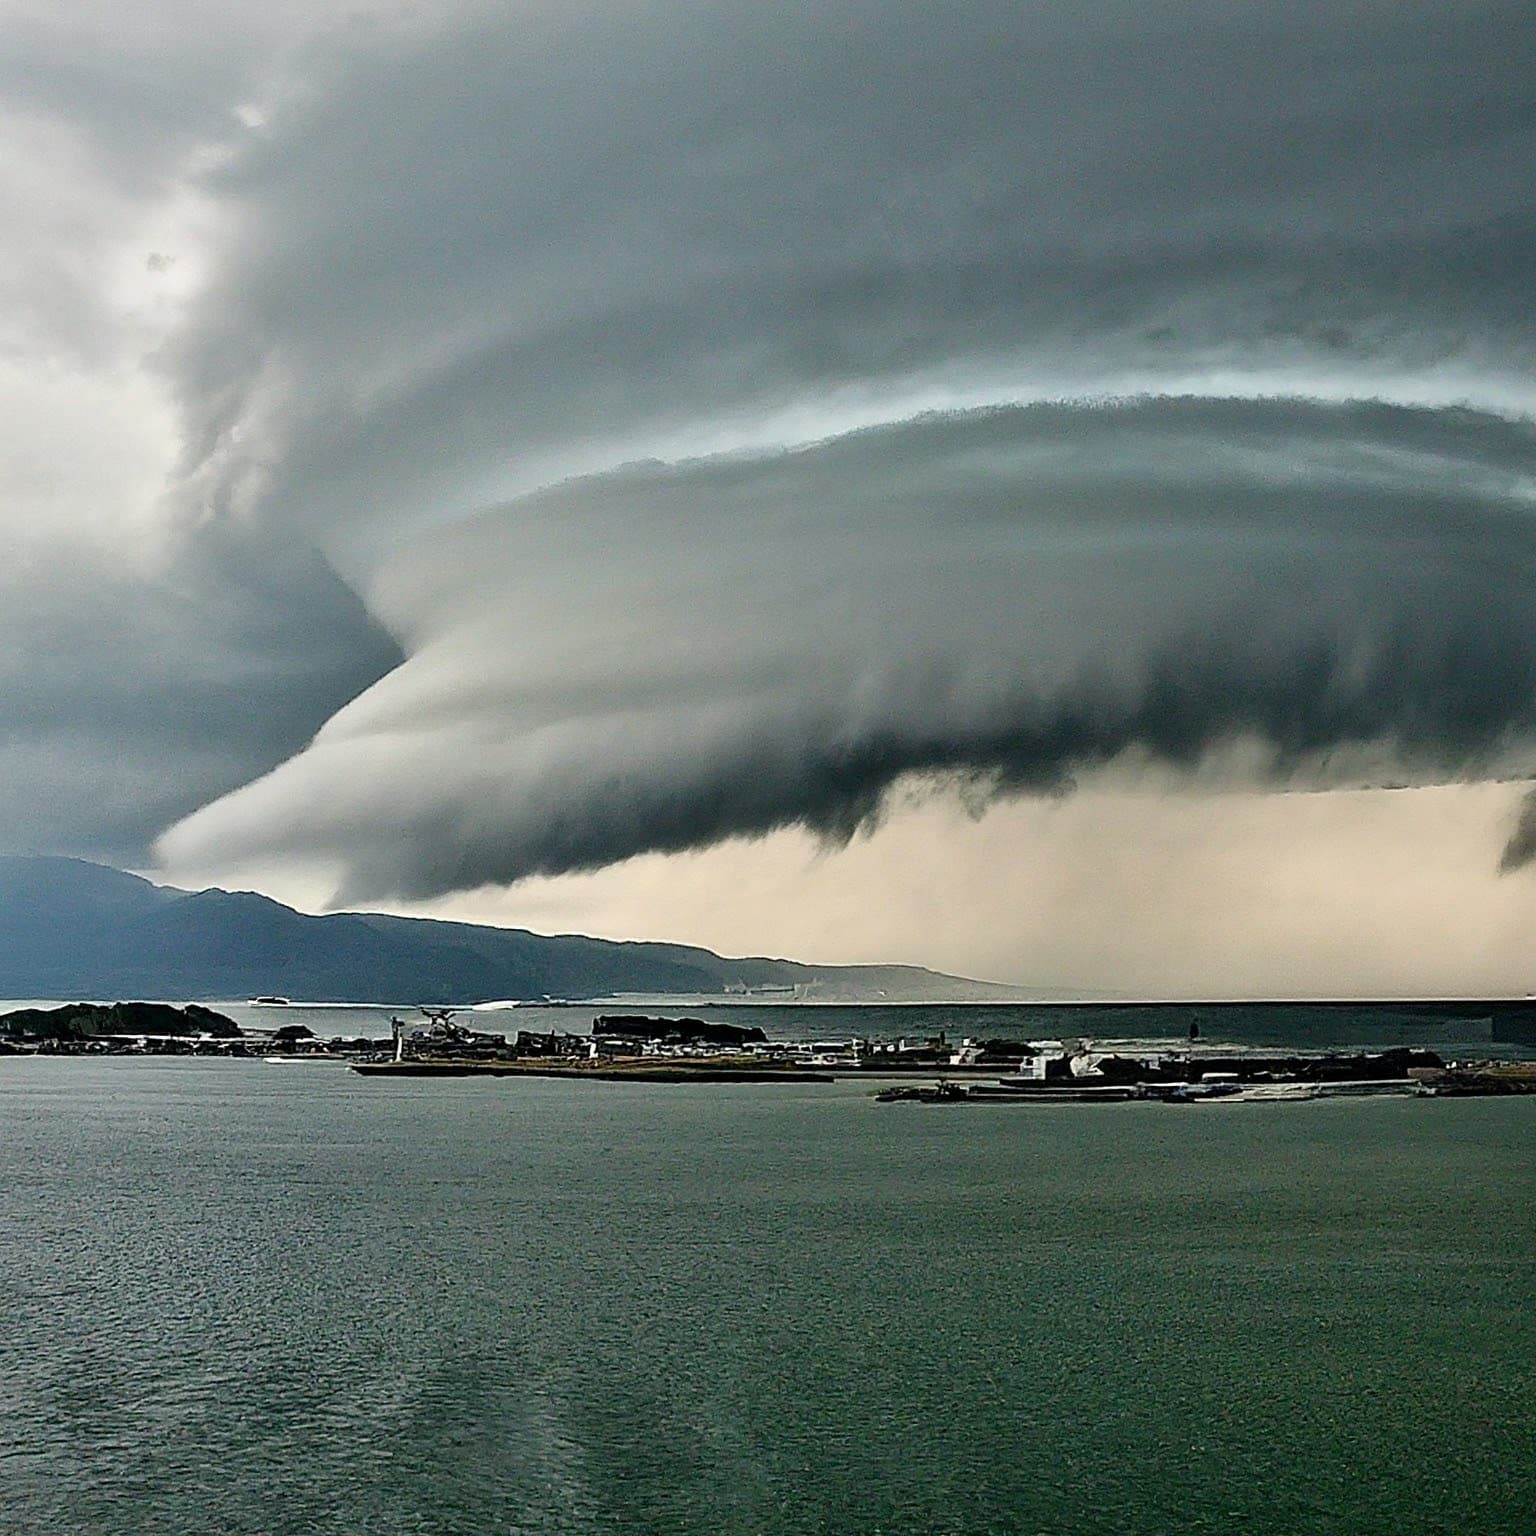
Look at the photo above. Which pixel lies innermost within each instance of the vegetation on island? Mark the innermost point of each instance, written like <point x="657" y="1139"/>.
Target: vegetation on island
<point x="88" y="1021"/>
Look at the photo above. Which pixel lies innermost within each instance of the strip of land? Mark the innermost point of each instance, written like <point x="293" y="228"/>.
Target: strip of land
<point x="660" y="1050"/>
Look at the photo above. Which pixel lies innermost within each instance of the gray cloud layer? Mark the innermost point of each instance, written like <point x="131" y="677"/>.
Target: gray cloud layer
<point x="664" y="656"/>
<point x="457" y="261"/>
<point x="152" y="656"/>
<point x="129" y="698"/>
<point x="537" y="241"/>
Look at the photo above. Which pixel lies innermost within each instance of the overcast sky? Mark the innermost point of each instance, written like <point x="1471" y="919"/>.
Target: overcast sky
<point x="1041" y="490"/>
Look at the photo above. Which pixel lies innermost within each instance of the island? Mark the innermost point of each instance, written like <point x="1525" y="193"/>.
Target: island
<point x="96" y="1028"/>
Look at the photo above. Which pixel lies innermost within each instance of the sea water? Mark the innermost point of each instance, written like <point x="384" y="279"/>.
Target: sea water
<point x="253" y="1298"/>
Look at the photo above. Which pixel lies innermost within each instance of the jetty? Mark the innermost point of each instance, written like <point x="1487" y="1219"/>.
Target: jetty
<point x="1460" y="1080"/>
<point x="637" y="1070"/>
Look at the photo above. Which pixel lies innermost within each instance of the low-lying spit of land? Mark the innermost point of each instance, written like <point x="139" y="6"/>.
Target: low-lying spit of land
<point x="1458" y="1080"/>
<point x="643" y="1048"/>
<point x="636" y="1048"/>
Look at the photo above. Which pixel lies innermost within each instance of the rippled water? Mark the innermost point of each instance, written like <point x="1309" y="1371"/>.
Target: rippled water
<point x="244" y="1298"/>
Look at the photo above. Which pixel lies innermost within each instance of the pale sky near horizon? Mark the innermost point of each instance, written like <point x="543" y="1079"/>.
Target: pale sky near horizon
<point x="1040" y="491"/>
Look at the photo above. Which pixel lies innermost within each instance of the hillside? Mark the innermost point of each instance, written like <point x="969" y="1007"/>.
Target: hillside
<point x="70" y="929"/>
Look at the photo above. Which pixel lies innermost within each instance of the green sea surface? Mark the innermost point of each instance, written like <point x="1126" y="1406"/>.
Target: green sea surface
<point x="286" y="1300"/>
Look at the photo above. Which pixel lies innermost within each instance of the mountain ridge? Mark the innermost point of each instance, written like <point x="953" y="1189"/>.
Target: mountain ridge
<point x="70" y="928"/>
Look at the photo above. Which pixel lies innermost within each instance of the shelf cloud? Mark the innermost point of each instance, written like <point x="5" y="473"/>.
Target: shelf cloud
<point x="664" y="656"/>
<point x="133" y="695"/>
<point x="456" y="267"/>
<point x="617" y="428"/>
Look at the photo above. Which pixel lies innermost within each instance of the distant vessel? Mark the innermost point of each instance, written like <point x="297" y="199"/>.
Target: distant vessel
<point x="269" y="1002"/>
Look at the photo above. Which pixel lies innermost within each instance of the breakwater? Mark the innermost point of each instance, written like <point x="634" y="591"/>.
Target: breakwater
<point x="642" y="1071"/>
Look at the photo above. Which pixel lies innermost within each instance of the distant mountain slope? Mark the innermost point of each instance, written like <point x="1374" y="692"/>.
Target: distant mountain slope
<point x="69" y="929"/>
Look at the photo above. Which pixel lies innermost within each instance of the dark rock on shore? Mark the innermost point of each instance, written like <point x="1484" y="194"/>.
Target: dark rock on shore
<point x="638" y="1026"/>
<point x="85" y="1021"/>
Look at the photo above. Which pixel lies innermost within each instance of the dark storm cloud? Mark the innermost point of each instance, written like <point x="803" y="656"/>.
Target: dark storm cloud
<point x="562" y="233"/>
<point x="151" y="658"/>
<point x="128" y="698"/>
<point x="665" y="656"/>
<point x="465" y="256"/>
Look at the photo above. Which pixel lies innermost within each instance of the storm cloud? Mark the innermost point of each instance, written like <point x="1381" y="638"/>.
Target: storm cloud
<point x="665" y="655"/>
<point x="737" y="415"/>
<point x="462" y="266"/>
<point x="153" y="654"/>
<point x="132" y="696"/>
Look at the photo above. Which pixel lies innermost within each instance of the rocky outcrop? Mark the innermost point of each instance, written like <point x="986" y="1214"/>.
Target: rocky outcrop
<point x="86" y="1021"/>
<point x="641" y="1027"/>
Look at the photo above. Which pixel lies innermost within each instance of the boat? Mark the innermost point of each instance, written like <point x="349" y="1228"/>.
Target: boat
<point x="269" y="1002"/>
<point x="942" y="1092"/>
